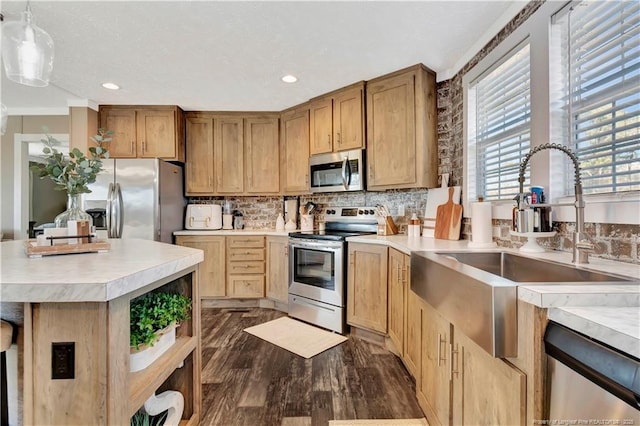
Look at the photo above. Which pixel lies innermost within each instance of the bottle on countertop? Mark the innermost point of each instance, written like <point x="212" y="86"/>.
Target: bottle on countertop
<point x="413" y="229"/>
<point x="280" y="223"/>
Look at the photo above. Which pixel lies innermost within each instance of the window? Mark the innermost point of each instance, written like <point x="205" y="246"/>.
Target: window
<point x="600" y="42"/>
<point x="499" y="125"/>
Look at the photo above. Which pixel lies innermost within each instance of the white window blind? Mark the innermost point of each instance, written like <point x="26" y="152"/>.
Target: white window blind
<point x="603" y="84"/>
<point x="502" y="125"/>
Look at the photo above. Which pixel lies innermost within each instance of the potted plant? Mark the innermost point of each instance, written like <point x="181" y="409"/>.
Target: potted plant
<point x="153" y="322"/>
<point x="73" y="173"/>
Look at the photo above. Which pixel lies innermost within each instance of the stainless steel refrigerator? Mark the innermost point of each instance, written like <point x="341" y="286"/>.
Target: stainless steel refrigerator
<point x="138" y="198"/>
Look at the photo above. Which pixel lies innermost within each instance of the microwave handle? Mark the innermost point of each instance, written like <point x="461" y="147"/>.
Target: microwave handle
<point x="346" y="172"/>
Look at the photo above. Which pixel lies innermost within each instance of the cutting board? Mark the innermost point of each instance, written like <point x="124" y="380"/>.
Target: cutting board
<point x="436" y="197"/>
<point x="448" y="219"/>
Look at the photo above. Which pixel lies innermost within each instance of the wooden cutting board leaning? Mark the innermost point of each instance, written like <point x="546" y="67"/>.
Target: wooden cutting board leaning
<point x="436" y="197"/>
<point x="448" y="219"/>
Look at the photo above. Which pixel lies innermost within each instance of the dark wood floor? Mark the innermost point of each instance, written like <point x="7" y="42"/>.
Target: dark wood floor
<point x="247" y="381"/>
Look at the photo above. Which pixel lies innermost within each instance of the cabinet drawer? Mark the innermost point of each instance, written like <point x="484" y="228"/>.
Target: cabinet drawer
<point x="250" y="267"/>
<point x="246" y="241"/>
<point x="245" y="285"/>
<point x="242" y="253"/>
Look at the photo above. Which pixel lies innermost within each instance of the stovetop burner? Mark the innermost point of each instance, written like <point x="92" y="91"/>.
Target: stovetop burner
<point x="343" y="222"/>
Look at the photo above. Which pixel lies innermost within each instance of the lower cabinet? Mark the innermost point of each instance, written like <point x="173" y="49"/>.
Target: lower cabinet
<point x="278" y="268"/>
<point x="245" y="266"/>
<point x="460" y="383"/>
<point x="367" y="287"/>
<point x="413" y="332"/>
<point x="397" y="295"/>
<point x="212" y="270"/>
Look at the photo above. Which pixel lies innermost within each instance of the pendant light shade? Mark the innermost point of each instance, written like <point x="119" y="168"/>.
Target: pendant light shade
<point x="27" y="51"/>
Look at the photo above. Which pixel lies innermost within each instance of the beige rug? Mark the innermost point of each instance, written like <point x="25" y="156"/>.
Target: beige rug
<point x="380" y="422"/>
<point x="295" y="336"/>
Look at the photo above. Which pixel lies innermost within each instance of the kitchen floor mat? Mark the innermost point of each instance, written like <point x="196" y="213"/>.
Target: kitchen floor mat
<point x="380" y="422"/>
<point x="295" y="336"/>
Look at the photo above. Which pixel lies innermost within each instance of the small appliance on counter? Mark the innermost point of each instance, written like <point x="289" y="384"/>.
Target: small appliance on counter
<point x="203" y="216"/>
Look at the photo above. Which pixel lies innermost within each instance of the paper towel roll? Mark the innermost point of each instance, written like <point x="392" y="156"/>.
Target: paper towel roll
<point x="481" y="229"/>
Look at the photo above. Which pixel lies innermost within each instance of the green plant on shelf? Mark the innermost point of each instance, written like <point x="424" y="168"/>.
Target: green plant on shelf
<point x="153" y="312"/>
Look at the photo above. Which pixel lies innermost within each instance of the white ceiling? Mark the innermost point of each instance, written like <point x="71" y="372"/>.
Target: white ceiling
<point x="230" y="55"/>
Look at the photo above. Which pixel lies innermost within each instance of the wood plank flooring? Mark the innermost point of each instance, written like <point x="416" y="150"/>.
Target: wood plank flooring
<point x="247" y="381"/>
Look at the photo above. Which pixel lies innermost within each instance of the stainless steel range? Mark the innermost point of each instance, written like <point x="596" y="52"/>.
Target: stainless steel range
<point x="318" y="266"/>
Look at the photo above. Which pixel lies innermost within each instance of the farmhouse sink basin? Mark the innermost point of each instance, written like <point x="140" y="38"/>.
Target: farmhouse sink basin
<point x="522" y="269"/>
<point x="477" y="291"/>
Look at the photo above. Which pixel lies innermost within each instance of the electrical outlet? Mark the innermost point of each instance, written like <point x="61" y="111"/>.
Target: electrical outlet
<point x="401" y="210"/>
<point x="63" y="360"/>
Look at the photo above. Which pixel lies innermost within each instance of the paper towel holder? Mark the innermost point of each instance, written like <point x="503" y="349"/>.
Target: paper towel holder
<point x="480" y="245"/>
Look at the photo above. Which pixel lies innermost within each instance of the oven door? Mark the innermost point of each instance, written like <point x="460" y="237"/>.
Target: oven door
<point x="316" y="270"/>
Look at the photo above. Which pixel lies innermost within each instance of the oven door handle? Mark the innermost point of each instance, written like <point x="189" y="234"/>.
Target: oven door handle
<point x="315" y="245"/>
<point x="346" y="172"/>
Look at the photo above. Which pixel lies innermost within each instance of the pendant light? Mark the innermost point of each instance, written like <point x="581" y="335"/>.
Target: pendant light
<point x="27" y="51"/>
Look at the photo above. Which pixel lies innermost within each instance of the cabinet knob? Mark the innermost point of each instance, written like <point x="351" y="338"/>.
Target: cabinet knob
<point x="133" y="146"/>
<point x="329" y="139"/>
<point x="339" y="138"/>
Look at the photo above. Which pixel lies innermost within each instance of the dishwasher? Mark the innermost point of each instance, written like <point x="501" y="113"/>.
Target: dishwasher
<point x="590" y="383"/>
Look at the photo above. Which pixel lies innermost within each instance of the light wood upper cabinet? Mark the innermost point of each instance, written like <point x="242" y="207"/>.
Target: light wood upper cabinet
<point x="199" y="171"/>
<point x="261" y="155"/>
<point x="232" y="153"/>
<point x="144" y="132"/>
<point x="321" y="125"/>
<point x="228" y="155"/>
<point x="122" y="122"/>
<point x="401" y="130"/>
<point x="348" y="119"/>
<point x="278" y="268"/>
<point x="212" y="269"/>
<point x="367" y="287"/>
<point x="337" y="120"/>
<point x="294" y="150"/>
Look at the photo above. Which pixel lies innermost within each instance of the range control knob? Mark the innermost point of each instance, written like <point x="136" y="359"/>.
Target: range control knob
<point x="360" y="212"/>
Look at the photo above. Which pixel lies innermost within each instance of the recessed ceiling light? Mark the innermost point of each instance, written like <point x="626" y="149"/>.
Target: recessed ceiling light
<point x="289" y="78"/>
<point x="110" y="86"/>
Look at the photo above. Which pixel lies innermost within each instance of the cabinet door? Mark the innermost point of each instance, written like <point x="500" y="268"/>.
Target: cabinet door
<point x="413" y="334"/>
<point x="396" y="291"/>
<point x="262" y="155"/>
<point x="199" y="164"/>
<point x="434" y="391"/>
<point x="486" y="390"/>
<point x="348" y="120"/>
<point x="212" y="269"/>
<point x="391" y="131"/>
<point x="156" y="134"/>
<point x="228" y="145"/>
<point x="245" y="286"/>
<point x="123" y="124"/>
<point x="321" y="113"/>
<point x="278" y="268"/>
<point x="367" y="287"/>
<point x="294" y="147"/>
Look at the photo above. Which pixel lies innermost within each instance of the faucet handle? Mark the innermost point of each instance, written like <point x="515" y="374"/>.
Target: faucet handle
<point x="585" y="245"/>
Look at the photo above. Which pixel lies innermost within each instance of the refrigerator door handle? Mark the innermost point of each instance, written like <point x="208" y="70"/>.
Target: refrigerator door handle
<point x="119" y="210"/>
<point x="109" y="211"/>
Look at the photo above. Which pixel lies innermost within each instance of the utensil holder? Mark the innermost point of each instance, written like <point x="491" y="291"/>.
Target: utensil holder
<point x="306" y="222"/>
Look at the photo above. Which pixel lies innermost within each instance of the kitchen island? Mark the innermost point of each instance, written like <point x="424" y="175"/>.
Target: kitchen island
<point x="75" y="324"/>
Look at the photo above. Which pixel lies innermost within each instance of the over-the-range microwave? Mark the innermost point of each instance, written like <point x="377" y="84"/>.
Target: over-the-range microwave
<point x="337" y="171"/>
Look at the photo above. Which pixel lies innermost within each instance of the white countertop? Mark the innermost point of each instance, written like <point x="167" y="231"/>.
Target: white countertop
<point x="617" y="327"/>
<point x="129" y="265"/>
<point x="226" y="232"/>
